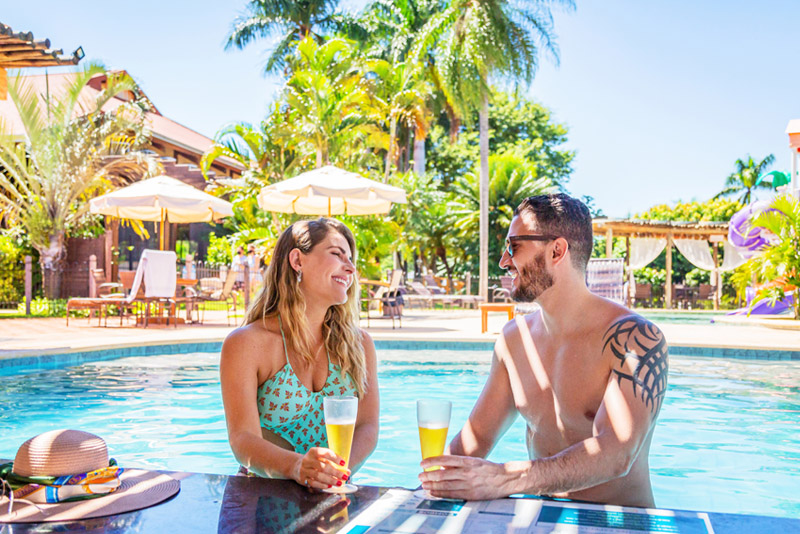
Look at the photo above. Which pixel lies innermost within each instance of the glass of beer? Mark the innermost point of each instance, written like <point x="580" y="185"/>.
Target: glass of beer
<point x="340" y="421"/>
<point x="433" y="420"/>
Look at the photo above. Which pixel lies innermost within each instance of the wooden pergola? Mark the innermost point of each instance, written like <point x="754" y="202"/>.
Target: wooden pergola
<point x="19" y="50"/>
<point x="715" y="232"/>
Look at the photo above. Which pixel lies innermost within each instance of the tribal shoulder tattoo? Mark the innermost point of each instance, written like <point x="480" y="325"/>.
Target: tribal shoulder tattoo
<point x="637" y="339"/>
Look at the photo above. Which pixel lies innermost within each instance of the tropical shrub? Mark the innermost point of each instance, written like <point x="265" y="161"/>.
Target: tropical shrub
<point x="219" y="250"/>
<point x="777" y="265"/>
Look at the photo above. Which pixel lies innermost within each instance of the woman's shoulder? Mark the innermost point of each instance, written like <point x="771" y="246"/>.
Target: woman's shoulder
<point x="366" y="339"/>
<point x="253" y="338"/>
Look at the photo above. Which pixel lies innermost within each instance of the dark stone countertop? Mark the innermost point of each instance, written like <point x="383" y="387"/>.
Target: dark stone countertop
<point x="237" y="504"/>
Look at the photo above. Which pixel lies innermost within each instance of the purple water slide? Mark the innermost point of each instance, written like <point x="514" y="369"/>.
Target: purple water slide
<point x="765" y="307"/>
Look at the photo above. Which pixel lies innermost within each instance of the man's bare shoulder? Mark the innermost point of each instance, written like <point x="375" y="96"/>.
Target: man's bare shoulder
<point x="638" y="353"/>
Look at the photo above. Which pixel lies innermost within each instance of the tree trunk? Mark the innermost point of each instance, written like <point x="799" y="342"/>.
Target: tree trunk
<point x="319" y="157"/>
<point x="443" y="255"/>
<point x="419" y="156"/>
<point x="50" y="260"/>
<point x="390" y="153"/>
<point x="483" y="285"/>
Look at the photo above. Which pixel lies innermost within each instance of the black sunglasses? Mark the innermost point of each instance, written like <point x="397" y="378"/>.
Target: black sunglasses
<point x="531" y="237"/>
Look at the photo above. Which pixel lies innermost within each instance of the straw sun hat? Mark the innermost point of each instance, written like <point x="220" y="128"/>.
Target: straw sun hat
<point x="62" y="453"/>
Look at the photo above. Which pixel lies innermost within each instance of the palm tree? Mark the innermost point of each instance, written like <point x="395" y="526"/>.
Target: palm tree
<point x="72" y="151"/>
<point x="267" y="152"/>
<point x="745" y="179"/>
<point x="401" y="97"/>
<point x="476" y="39"/>
<point x="512" y="179"/>
<point x="289" y="20"/>
<point x="328" y="102"/>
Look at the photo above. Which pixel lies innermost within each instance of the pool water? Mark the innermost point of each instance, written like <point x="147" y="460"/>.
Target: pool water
<point x="727" y="438"/>
<point x="684" y="317"/>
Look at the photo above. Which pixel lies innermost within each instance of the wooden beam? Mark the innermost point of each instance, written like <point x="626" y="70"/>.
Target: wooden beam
<point x="609" y="243"/>
<point x="45" y="61"/>
<point x="668" y="281"/>
<point x="637" y="230"/>
<point x="716" y="276"/>
<point x="3" y="84"/>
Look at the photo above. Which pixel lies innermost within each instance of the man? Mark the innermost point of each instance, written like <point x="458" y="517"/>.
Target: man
<point x="587" y="375"/>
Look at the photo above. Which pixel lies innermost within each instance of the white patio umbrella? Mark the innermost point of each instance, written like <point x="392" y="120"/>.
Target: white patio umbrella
<point x="332" y="191"/>
<point x="161" y="199"/>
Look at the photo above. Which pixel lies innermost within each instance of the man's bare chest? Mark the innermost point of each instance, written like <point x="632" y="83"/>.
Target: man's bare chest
<point x="559" y="387"/>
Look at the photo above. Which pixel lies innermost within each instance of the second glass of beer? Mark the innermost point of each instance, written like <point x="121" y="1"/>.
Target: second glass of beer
<point x="340" y="422"/>
<point x="433" y="420"/>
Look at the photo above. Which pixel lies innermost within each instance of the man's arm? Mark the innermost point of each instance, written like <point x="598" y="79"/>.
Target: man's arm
<point x="491" y="416"/>
<point x="630" y="405"/>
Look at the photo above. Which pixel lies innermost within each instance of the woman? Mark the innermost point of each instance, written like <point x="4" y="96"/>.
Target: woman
<point x="300" y="343"/>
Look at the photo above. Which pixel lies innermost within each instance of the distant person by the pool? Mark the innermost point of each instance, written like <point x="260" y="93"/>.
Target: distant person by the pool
<point x="301" y="343"/>
<point x="586" y="374"/>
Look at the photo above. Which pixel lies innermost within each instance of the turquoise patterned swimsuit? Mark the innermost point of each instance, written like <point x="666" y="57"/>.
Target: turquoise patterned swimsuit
<point x="292" y="411"/>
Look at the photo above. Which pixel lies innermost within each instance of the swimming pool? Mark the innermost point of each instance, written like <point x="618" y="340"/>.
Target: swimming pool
<point x="680" y="317"/>
<point x="726" y="441"/>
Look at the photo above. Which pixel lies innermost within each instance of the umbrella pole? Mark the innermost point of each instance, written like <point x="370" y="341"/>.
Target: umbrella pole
<point x="161" y="234"/>
<point x="329" y="207"/>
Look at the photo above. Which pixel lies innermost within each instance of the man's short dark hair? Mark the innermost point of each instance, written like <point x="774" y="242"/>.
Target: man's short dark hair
<point x="561" y="215"/>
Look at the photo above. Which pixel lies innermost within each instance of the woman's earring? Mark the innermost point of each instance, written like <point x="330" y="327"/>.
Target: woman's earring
<point x="299" y="276"/>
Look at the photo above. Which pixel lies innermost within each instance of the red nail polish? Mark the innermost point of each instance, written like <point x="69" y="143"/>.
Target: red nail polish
<point x="345" y="477"/>
<point x="329" y="486"/>
<point x="339" y="483"/>
<point x="342" y="462"/>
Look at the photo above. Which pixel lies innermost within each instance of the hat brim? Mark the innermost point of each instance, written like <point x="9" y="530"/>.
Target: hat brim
<point x="138" y="489"/>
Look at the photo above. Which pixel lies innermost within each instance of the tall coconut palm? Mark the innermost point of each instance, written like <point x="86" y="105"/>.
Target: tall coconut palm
<point x="744" y="179"/>
<point x="72" y="150"/>
<point x="477" y="39"/>
<point x="288" y="20"/>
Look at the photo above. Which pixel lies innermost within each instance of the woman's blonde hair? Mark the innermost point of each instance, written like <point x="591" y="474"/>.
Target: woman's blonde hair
<point x="280" y="295"/>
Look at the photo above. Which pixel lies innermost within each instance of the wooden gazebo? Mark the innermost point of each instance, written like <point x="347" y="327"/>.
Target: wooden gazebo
<point x="19" y="50"/>
<point x="715" y="232"/>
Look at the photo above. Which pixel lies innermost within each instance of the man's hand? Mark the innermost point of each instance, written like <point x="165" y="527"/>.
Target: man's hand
<point x="473" y="479"/>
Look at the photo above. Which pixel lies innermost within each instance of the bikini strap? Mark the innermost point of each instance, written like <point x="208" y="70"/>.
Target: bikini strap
<point x="283" y="337"/>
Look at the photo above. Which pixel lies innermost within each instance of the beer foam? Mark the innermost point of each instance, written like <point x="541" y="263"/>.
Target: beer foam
<point x="434" y="425"/>
<point x="340" y="421"/>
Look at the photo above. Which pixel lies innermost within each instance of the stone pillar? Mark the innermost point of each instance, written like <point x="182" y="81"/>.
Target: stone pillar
<point x="92" y="282"/>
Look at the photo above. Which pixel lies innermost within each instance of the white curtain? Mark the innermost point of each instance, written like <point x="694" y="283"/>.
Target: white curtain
<point x="644" y="250"/>
<point x="732" y="257"/>
<point x="697" y="252"/>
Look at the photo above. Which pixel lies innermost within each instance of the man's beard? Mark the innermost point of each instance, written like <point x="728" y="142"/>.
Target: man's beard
<point x="532" y="280"/>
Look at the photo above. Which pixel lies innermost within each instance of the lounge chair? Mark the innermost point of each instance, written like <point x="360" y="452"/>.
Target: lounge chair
<point x="102" y="290"/>
<point x="503" y="293"/>
<point x="432" y="297"/>
<point x="389" y="299"/>
<point x="214" y="290"/>
<point x="101" y="303"/>
<point x="605" y="277"/>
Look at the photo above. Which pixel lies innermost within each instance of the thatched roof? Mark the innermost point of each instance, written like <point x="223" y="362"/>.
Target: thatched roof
<point x="648" y="228"/>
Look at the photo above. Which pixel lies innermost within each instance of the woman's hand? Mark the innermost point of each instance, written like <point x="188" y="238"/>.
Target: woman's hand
<point x="320" y="468"/>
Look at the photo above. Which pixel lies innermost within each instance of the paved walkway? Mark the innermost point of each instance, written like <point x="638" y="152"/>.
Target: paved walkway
<point x="22" y="337"/>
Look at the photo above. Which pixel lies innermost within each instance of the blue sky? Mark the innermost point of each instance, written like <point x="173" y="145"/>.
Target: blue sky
<point x="660" y="97"/>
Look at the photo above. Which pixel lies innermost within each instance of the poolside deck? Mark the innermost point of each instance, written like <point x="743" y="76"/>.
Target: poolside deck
<point x="23" y="337"/>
